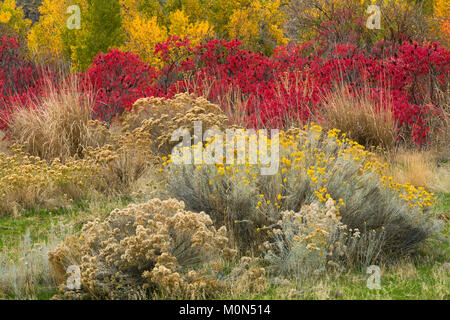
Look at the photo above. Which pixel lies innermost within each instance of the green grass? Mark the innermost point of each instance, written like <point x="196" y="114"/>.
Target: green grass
<point x="39" y="222"/>
<point x="407" y="282"/>
<point x="443" y="205"/>
<point x="422" y="277"/>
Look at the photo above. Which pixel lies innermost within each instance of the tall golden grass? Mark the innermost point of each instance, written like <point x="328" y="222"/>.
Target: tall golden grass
<point x="439" y="124"/>
<point x="3" y="143"/>
<point x="55" y="125"/>
<point x="420" y="168"/>
<point x="359" y="117"/>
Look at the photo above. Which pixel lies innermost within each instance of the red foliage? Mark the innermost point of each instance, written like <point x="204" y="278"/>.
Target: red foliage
<point x="289" y="84"/>
<point x="119" y="79"/>
<point x="175" y="53"/>
<point x="292" y="82"/>
<point x="18" y="78"/>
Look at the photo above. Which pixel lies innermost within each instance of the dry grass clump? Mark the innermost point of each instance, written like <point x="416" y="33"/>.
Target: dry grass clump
<point x="29" y="182"/>
<point x="314" y="166"/>
<point x="56" y="124"/>
<point x="357" y="115"/>
<point x="439" y="123"/>
<point x="142" y="251"/>
<point x="4" y="148"/>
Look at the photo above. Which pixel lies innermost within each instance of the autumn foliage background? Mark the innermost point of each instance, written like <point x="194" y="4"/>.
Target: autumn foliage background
<point x="85" y="116"/>
<point x="242" y="55"/>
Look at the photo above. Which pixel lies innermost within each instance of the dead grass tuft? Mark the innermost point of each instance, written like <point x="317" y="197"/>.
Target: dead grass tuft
<point x="56" y="125"/>
<point x="360" y="118"/>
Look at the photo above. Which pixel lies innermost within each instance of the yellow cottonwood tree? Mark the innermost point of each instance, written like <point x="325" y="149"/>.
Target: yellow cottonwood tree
<point x="144" y="32"/>
<point x="179" y="25"/>
<point x="142" y="36"/>
<point x="220" y="12"/>
<point x="442" y="19"/>
<point x="13" y="16"/>
<point x="145" y="8"/>
<point x="45" y="37"/>
<point x="259" y="26"/>
<point x="195" y="10"/>
<point x="243" y="26"/>
<point x="101" y="30"/>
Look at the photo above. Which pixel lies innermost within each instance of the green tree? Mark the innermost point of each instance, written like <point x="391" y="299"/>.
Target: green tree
<point x="101" y="30"/>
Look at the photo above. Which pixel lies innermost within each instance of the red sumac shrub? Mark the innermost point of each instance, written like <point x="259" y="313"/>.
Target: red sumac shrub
<point x="119" y="79"/>
<point x="271" y="91"/>
<point x="18" y="77"/>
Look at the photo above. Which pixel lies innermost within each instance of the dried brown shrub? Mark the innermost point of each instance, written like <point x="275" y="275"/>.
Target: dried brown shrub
<point x="149" y="250"/>
<point x="123" y="157"/>
<point x="159" y="118"/>
<point x="29" y="182"/>
<point x="134" y="145"/>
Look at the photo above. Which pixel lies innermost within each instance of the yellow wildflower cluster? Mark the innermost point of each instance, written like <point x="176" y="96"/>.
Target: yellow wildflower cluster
<point x="298" y="154"/>
<point x="313" y="165"/>
<point x="417" y="197"/>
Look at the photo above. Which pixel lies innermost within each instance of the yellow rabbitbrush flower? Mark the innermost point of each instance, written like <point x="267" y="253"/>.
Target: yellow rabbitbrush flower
<point x="313" y="166"/>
